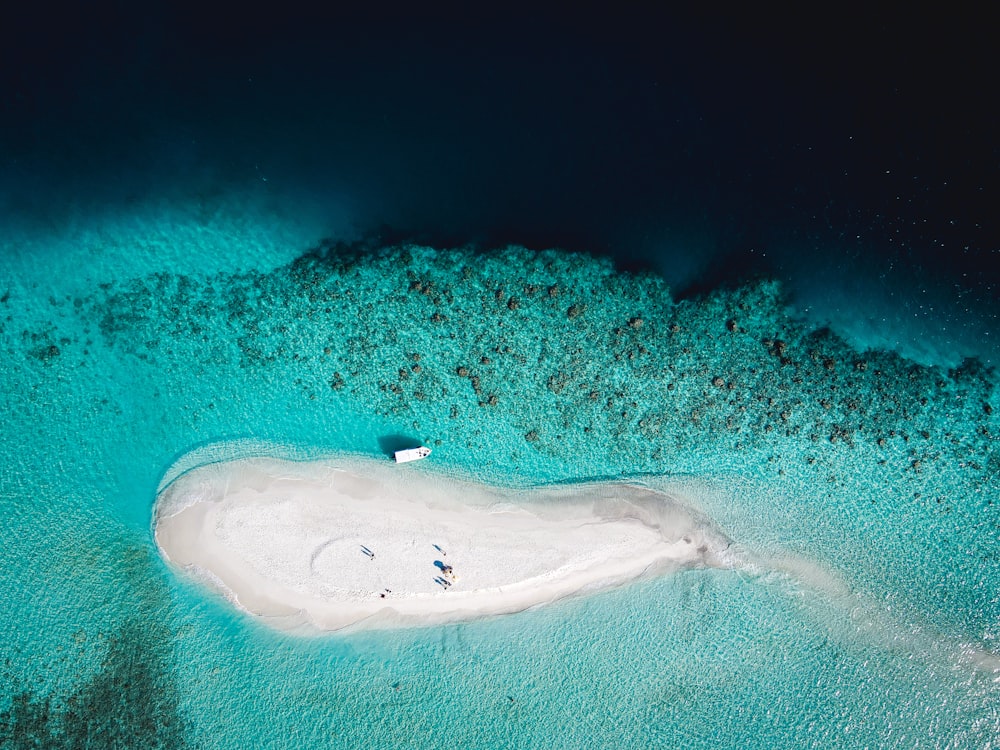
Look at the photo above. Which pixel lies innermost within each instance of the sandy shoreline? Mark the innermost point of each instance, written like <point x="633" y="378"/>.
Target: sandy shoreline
<point x="361" y="543"/>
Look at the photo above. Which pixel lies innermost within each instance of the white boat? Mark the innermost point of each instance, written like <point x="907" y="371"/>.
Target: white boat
<point x="412" y="454"/>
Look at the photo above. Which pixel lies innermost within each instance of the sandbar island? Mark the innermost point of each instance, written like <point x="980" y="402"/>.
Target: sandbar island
<point x="358" y="543"/>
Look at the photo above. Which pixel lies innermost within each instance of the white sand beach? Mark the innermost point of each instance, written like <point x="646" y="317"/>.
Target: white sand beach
<point x="358" y="543"/>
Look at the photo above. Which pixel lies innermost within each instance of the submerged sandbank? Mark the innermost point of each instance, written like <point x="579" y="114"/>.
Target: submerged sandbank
<point x="355" y="542"/>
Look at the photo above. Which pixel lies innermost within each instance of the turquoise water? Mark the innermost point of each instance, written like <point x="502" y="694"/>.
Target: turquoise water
<point x="131" y="340"/>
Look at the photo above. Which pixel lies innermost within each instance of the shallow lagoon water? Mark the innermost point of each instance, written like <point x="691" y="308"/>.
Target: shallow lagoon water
<point x="876" y="474"/>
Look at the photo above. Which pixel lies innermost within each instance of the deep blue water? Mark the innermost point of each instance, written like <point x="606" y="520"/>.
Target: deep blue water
<point x="707" y="148"/>
<point x="217" y="228"/>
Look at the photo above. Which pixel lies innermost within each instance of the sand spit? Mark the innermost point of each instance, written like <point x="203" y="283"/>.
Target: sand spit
<point x="359" y="543"/>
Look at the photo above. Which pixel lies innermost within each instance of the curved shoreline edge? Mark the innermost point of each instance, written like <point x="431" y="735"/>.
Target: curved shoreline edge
<point x="311" y="545"/>
<point x="357" y="543"/>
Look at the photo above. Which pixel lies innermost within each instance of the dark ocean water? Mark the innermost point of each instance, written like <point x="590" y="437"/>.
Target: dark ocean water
<point x="852" y="155"/>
